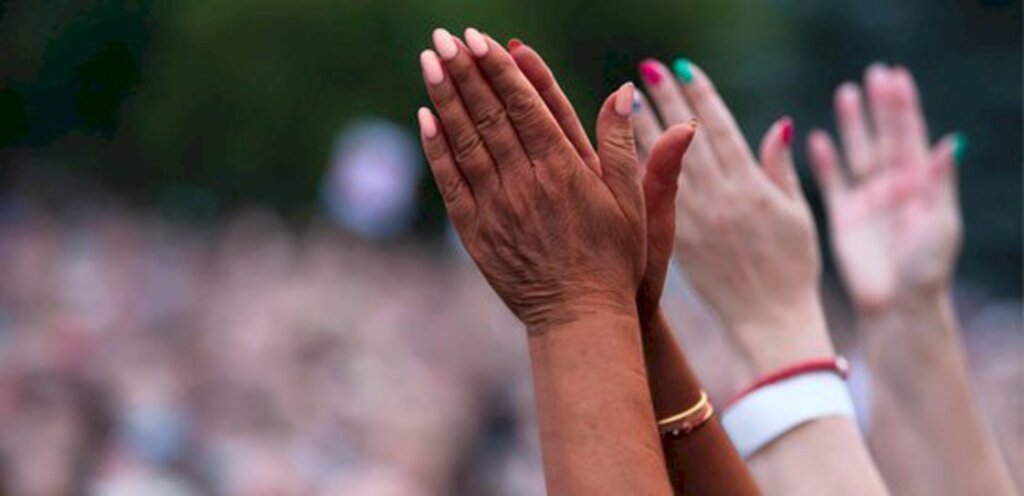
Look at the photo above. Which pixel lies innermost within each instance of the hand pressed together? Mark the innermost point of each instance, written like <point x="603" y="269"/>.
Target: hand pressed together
<point x="557" y="228"/>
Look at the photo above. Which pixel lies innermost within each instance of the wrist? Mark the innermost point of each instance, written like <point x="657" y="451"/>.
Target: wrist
<point x="583" y="310"/>
<point x="903" y="299"/>
<point x="904" y="311"/>
<point x="583" y="313"/>
<point x="790" y="334"/>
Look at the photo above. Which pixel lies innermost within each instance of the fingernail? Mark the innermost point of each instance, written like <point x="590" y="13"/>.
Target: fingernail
<point x="428" y="126"/>
<point x="650" y="72"/>
<point x="514" y="43"/>
<point x="638" y="102"/>
<point x="476" y="41"/>
<point x="683" y="69"/>
<point x="432" y="71"/>
<point x="959" y="147"/>
<point x="786" y="131"/>
<point x="624" y="100"/>
<point x="444" y="44"/>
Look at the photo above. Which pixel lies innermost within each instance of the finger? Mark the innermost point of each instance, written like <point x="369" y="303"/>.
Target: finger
<point x="645" y="126"/>
<point x="617" y="151"/>
<point x="467" y="148"/>
<point x="661" y="179"/>
<point x="853" y="130"/>
<point x="700" y="163"/>
<point x="540" y="76"/>
<point x="825" y="164"/>
<point x="877" y="82"/>
<point x="458" y="199"/>
<point x="537" y="128"/>
<point x="777" y="157"/>
<point x="911" y="133"/>
<point x="483" y="106"/>
<point x="661" y="185"/>
<point x="727" y="142"/>
<point x="946" y="156"/>
<point x="664" y="94"/>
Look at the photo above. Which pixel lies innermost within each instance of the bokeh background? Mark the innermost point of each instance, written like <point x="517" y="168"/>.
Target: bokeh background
<point x="223" y="269"/>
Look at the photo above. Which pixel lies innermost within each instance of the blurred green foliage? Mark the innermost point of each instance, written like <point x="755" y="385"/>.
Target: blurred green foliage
<point x="230" y="102"/>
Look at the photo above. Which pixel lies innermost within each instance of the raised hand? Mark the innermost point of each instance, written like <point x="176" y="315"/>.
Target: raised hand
<point x="558" y="231"/>
<point x="747" y="241"/>
<point x="896" y="230"/>
<point x="745" y="234"/>
<point x="895" y="221"/>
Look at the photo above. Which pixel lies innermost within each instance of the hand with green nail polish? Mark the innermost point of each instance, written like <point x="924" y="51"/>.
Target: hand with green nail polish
<point x="894" y="219"/>
<point x="896" y="231"/>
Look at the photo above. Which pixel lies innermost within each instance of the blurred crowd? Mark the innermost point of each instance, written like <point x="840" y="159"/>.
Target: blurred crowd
<point x="250" y="357"/>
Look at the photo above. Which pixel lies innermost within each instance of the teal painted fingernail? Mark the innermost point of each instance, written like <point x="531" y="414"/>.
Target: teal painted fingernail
<point x="684" y="69"/>
<point x="959" y="147"/>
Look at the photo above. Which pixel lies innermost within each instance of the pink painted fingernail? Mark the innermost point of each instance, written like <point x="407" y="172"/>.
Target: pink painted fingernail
<point x="624" y="100"/>
<point x="786" y="131"/>
<point x="444" y="44"/>
<point x="432" y="71"/>
<point x="514" y="43"/>
<point x="477" y="43"/>
<point x="650" y="72"/>
<point x="428" y="126"/>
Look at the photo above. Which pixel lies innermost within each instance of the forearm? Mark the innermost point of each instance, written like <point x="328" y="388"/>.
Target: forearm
<point x="703" y="462"/>
<point x="927" y="432"/>
<point x="596" y="419"/>
<point x="842" y="464"/>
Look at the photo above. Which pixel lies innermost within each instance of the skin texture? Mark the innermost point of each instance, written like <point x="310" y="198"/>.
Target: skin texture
<point x="759" y="272"/>
<point x="703" y="462"/>
<point x="559" y="231"/>
<point x="896" y="231"/>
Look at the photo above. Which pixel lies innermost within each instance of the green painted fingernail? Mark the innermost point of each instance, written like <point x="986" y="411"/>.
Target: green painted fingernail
<point x="959" y="147"/>
<point x="684" y="69"/>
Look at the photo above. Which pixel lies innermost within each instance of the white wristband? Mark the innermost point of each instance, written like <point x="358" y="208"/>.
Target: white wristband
<point x="764" y="415"/>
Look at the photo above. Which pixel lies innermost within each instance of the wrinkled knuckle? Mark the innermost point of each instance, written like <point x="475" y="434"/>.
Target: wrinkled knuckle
<point x="619" y="145"/>
<point x="522" y="107"/>
<point x="491" y="118"/>
<point x="453" y="191"/>
<point x="467" y="146"/>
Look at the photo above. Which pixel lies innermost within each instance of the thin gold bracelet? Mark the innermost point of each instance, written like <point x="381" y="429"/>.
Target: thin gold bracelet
<point x="688" y="420"/>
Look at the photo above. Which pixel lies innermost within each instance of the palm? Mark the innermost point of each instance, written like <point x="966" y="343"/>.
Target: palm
<point x="898" y="230"/>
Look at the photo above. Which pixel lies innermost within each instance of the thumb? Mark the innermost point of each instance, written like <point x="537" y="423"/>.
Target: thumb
<point x="661" y="180"/>
<point x="617" y="152"/>
<point x="661" y="183"/>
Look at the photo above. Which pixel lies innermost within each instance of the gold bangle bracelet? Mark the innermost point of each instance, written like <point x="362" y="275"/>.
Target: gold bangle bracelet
<point x="688" y="420"/>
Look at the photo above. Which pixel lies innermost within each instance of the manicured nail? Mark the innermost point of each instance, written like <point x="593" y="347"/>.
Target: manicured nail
<point x="432" y="71"/>
<point x="650" y="72"/>
<point x="683" y="69"/>
<point x="444" y="44"/>
<point x="428" y="126"/>
<point x="959" y="147"/>
<point x="786" y="131"/>
<point x="477" y="43"/>
<point x="514" y="43"/>
<point x="624" y="100"/>
<point x="638" y="102"/>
